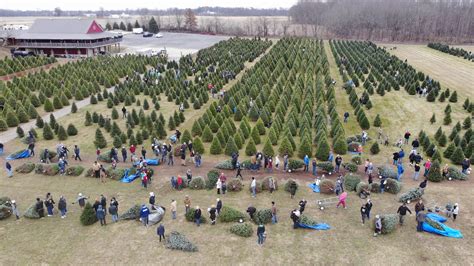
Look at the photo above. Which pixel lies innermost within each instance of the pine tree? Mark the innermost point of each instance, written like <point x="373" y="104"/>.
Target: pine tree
<point x="286" y="147"/>
<point x="146" y="105"/>
<point x="340" y="146"/>
<point x="88" y="121"/>
<point x="449" y="150"/>
<point x="238" y="140"/>
<point x="443" y="140"/>
<point x="434" y="175"/>
<point x="117" y="141"/>
<point x="442" y="98"/>
<point x="48" y="106"/>
<point x="57" y="103"/>
<point x="47" y="132"/>
<point x="458" y="156"/>
<point x="198" y="145"/>
<point x="255" y="135"/>
<point x="260" y="126"/>
<point x="20" y="132"/>
<point x="454" y="97"/>
<point x="139" y="138"/>
<point x="196" y="130"/>
<point x="447" y="119"/>
<point x="231" y="147"/>
<point x="71" y="130"/>
<point x="171" y="123"/>
<point x="273" y="136"/>
<point x="186" y="137"/>
<point x="216" y="147"/>
<point x="431" y="96"/>
<point x="22" y="115"/>
<point x="305" y="147"/>
<point x="466" y="104"/>
<point x="12" y="120"/>
<point x="3" y="125"/>
<point x="438" y="133"/>
<point x="322" y="151"/>
<point x="207" y="134"/>
<point x="437" y="156"/>
<point x="115" y="114"/>
<point x="250" y="149"/>
<point x="433" y="119"/>
<point x="268" y="148"/>
<point x="153" y="26"/>
<point x="377" y="121"/>
<point x="39" y="122"/>
<point x="467" y="123"/>
<point x="100" y="141"/>
<point x="73" y="108"/>
<point x="62" y="134"/>
<point x="374" y="149"/>
<point x="88" y="216"/>
<point x="32" y="113"/>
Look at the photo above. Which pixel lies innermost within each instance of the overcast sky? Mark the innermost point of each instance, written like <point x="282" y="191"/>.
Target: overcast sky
<point x="156" y="4"/>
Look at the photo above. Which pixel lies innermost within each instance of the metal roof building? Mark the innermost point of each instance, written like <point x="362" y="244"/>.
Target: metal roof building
<point x="76" y="37"/>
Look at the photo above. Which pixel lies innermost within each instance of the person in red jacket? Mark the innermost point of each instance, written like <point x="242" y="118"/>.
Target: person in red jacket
<point x="132" y="149"/>
<point x="180" y="182"/>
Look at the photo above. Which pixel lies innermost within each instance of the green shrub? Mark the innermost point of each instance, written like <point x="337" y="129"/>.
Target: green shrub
<point x="178" y="241"/>
<point x="351" y="167"/>
<point x="393" y="186"/>
<point x="361" y="186"/>
<point x="52" y="154"/>
<point x="224" y="165"/>
<point x="356" y="159"/>
<point x="387" y="171"/>
<point x="351" y="181"/>
<point x="434" y="175"/>
<point x="263" y="216"/>
<point x="25" y="168"/>
<point x="374" y="187"/>
<point x="374" y="149"/>
<point x="74" y="170"/>
<point x="294" y="164"/>
<point x="288" y="185"/>
<point x="389" y="223"/>
<point x="131" y="214"/>
<point x="31" y="212"/>
<point x="71" y="130"/>
<point x="327" y="167"/>
<point x="211" y="180"/>
<point x="197" y="183"/>
<point x="190" y="216"/>
<point x="326" y="186"/>
<point x="229" y="214"/>
<point x="234" y="185"/>
<point x="411" y="195"/>
<point x="243" y="229"/>
<point x="88" y="216"/>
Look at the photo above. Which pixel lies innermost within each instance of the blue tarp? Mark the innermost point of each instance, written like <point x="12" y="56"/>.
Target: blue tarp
<point x="314" y="187"/>
<point x="153" y="162"/>
<point x="448" y="231"/>
<point x="321" y="226"/>
<point x="21" y="155"/>
<point x="129" y="178"/>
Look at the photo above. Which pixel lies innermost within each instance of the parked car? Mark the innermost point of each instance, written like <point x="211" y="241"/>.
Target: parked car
<point x="147" y="34"/>
<point x="159" y="35"/>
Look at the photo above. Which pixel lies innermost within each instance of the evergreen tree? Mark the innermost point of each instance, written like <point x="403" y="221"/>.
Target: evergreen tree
<point x="115" y="114"/>
<point x="465" y="105"/>
<point x="71" y="130"/>
<point x="454" y="97"/>
<point x="437" y="156"/>
<point x="57" y="103"/>
<point x="431" y="96"/>
<point x="374" y="149"/>
<point x="207" y="134"/>
<point x="340" y="146"/>
<point x="449" y="150"/>
<point x="305" y="147"/>
<point x="434" y="175"/>
<point x="12" y="120"/>
<point x="146" y="105"/>
<point x="255" y="135"/>
<point x="171" y="124"/>
<point x="100" y="141"/>
<point x="88" y="121"/>
<point x="443" y="140"/>
<point x="3" y="125"/>
<point x="139" y="138"/>
<point x="47" y="132"/>
<point x="129" y="26"/>
<point x="215" y="147"/>
<point x="458" y="156"/>
<point x="239" y="142"/>
<point x="447" y="119"/>
<point x="73" y="108"/>
<point x="32" y="113"/>
<point x="467" y="123"/>
<point x="39" y="122"/>
<point x="250" y="149"/>
<point x="433" y="119"/>
<point x="153" y="26"/>
<point x="88" y="216"/>
<point x="20" y="132"/>
<point x="198" y="145"/>
<point x="186" y="137"/>
<point x="93" y="100"/>
<point x="48" y="106"/>
<point x="117" y="141"/>
<point x="22" y="115"/>
<point x="438" y="133"/>
<point x="286" y="147"/>
<point x="442" y="98"/>
<point x="322" y="151"/>
<point x="260" y="126"/>
<point x="273" y="136"/>
<point x="62" y="134"/>
<point x="196" y="130"/>
<point x="231" y="147"/>
<point x="377" y="121"/>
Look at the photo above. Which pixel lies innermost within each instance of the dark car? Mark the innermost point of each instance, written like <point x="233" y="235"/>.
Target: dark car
<point x="19" y="53"/>
<point x="147" y="34"/>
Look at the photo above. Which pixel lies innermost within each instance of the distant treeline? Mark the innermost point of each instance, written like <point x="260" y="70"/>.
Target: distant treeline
<point x="200" y="11"/>
<point x="400" y="20"/>
<point x="452" y="51"/>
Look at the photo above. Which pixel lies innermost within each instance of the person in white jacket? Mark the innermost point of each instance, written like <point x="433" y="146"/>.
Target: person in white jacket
<point x="253" y="186"/>
<point x="455" y="211"/>
<point x="219" y="186"/>
<point x="277" y="162"/>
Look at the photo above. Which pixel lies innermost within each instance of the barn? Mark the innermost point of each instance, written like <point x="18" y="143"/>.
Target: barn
<point x="77" y="37"/>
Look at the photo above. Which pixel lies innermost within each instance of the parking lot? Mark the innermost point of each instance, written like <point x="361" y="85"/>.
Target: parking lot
<point x="176" y="44"/>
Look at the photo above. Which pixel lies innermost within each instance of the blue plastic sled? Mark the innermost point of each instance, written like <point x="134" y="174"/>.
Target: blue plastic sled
<point x="448" y="231"/>
<point x="150" y="162"/>
<point x="314" y="187"/>
<point x="321" y="226"/>
<point x="23" y="154"/>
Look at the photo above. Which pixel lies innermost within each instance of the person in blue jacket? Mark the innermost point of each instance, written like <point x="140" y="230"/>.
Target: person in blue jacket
<point x="160" y="231"/>
<point x="306" y="163"/>
<point x="401" y="154"/>
<point x="100" y="213"/>
<point x="144" y="212"/>
<point x="400" y="171"/>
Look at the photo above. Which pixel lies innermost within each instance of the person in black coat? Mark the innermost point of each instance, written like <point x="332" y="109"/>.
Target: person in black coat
<point x="219" y="206"/>
<point x="103" y="202"/>
<point x="212" y="214"/>
<point x="251" y="211"/>
<point x="151" y="200"/>
<point x="197" y="216"/>
<point x="261" y="234"/>
<point x="160" y="231"/>
<point x="368" y="208"/>
<point x="302" y="205"/>
<point x="39" y="207"/>
<point x="96" y="204"/>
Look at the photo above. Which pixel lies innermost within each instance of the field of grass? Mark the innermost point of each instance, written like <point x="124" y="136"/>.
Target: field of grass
<point x="53" y="240"/>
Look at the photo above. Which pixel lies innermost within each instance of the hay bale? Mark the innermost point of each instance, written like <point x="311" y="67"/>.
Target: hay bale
<point x="234" y="185"/>
<point x="266" y="183"/>
<point x="327" y="186"/>
<point x="243" y="229"/>
<point x="178" y="241"/>
<point x="25" y="168"/>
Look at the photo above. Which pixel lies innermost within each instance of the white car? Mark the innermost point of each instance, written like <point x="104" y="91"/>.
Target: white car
<point x="158" y="35"/>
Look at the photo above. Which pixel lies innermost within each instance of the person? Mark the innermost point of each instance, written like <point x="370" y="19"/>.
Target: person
<point x="114" y="201"/>
<point x="189" y="176"/>
<point x="113" y="211"/>
<point x="251" y="210"/>
<point x="49" y="202"/>
<point x="183" y="156"/>
<point x="427" y="167"/>
<point x="62" y="206"/>
<point x="197" y="216"/>
<point x="81" y="200"/>
<point x="173" y="209"/>
<point x="370" y="168"/>
<point x="271" y="184"/>
<point x="253" y="187"/>
<point x="293" y="188"/>
<point x="151" y="200"/>
<point x="100" y="213"/>
<point x="466" y="163"/>
<point x="187" y="203"/>
<point x="179" y="182"/>
<point x="401" y="154"/>
<point x="370" y="179"/>
<point x="31" y="148"/>
<point x="378" y="225"/>
<point x="338" y="162"/>
<point x="330" y="157"/>
<point x="368" y="208"/>
<point x="407" y="136"/>
<point x="346" y="116"/>
<point x="295" y="217"/>
<point x="400" y="170"/>
<point x="419" y="206"/>
<point x="395" y="158"/>
<point x="219" y="186"/>
<point x="124" y="112"/>
<point x="338" y="187"/>
<point x="39" y="207"/>
<point x="77" y="153"/>
<point x="314" y="164"/>
<point x="197" y="159"/>
<point x="124" y="154"/>
<point x="218" y="206"/>
<point x="96" y="204"/>
<point x="302" y="205"/>
<point x="274" y="213"/>
<point x="15" y="210"/>
<point x="160" y="231"/>
<point x="366" y="166"/>
<point x="170" y="158"/>
<point x="383" y="182"/>
<point x="306" y="163"/>
<point x="420" y="219"/>
<point x="144" y="177"/>
<point x="364" y="137"/>
<point x="261" y="234"/>
<point x="144" y="212"/>
<point x="417" y="169"/>
<point x="97" y="153"/>
<point x="455" y="211"/>
<point x="277" y="162"/>
<point x="239" y="172"/>
<point x="363" y="213"/>
<point x="415" y="144"/>
<point x="285" y="162"/>
<point x="8" y="166"/>
<point x="445" y="171"/>
<point x="423" y="183"/>
<point x="212" y="214"/>
<point x="103" y="201"/>
<point x="342" y="200"/>
<point x="96" y="169"/>
<point x="402" y="211"/>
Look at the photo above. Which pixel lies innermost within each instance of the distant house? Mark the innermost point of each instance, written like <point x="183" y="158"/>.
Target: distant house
<point x="78" y="37"/>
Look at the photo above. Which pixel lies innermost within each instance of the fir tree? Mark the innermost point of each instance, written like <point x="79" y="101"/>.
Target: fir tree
<point x="207" y="134"/>
<point x="255" y="135"/>
<point x="434" y="175"/>
<point x="231" y="147"/>
<point x="467" y="123"/>
<point x="88" y="216"/>
<point x="377" y="121"/>
<point x="186" y="137"/>
<point x="433" y="119"/>
<point x="100" y="141"/>
<point x="12" y="120"/>
<point x="117" y="142"/>
<point x="198" y="145"/>
<point x="47" y="132"/>
<point x="171" y="124"/>
<point x="286" y="147"/>
<point x="71" y="130"/>
<point x="196" y="130"/>
<point x="250" y="149"/>
<point x="260" y="126"/>
<point x="322" y="151"/>
<point x="454" y="97"/>
<point x="20" y="132"/>
<point x="88" y="121"/>
<point x="340" y="146"/>
<point x="73" y="108"/>
<point x="115" y="114"/>
<point x="458" y="156"/>
<point x="374" y="149"/>
<point x="39" y="122"/>
<point x="62" y="134"/>
<point x="215" y="147"/>
<point x="305" y="147"/>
